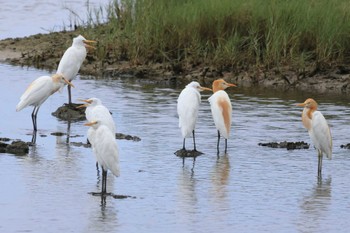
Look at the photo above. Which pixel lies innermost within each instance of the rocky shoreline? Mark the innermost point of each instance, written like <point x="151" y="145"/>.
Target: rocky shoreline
<point x="44" y="51"/>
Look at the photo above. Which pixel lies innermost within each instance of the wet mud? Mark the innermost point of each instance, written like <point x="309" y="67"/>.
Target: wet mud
<point x="44" y="51"/>
<point x="287" y="145"/>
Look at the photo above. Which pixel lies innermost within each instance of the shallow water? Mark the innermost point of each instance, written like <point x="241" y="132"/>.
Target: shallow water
<point x="250" y="189"/>
<point x="23" y="18"/>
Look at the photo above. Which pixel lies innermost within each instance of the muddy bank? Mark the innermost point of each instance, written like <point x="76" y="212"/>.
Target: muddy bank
<point x="44" y="51"/>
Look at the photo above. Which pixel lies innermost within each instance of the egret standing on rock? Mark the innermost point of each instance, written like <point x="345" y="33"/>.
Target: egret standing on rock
<point x="38" y="91"/>
<point x="318" y="129"/>
<point x="106" y="151"/>
<point x="221" y="109"/>
<point x="187" y="108"/>
<point x="72" y="59"/>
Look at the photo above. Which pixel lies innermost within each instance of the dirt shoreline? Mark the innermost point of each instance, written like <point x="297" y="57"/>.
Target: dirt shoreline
<point x="44" y="51"/>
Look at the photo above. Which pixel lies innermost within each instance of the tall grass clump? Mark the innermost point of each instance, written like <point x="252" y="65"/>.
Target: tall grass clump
<point x="227" y="33"/>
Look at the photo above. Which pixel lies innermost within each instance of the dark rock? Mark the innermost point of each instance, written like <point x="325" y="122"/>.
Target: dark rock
<point x="18" y="148"/>
<point x="346" y="146"/>
<point x="70" y="112"/>
<point x="5" y="139"/>
<point x="287" y="145"/>
<point x="187" y="153"/>
<point x="58" y="134"/>
<point x="127" y="137"/>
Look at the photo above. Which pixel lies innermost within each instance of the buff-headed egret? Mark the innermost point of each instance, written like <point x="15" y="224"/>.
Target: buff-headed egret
<point x="72" y="59"/>
<point x="221" y="109"/>
<point x="38" y="91"/>
<point x="106" y="151"/>
<point x="318" y="129"/>
<point x="187" y="108"/>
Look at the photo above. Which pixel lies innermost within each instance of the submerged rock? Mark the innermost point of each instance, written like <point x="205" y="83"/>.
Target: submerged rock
<point x="70" y="112"/>
<point x="16" y="147"/>
<point x="287" y="145"/>
<point x="346" y="146"/>
<point x="187" y="153"/>
<point x="127" y="137"/>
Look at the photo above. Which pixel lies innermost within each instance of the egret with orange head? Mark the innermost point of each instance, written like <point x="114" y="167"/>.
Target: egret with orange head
<point x="318" y="129"/>
<point x="221" y="109"/>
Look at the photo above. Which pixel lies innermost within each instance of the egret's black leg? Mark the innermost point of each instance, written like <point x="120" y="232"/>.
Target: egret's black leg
<point x="225" y="145"/>
<point x="217" y="146"/>
<point x="319" y="164"/>
<point x="69" y="95"/>
<point x="104" y="181"/>
<point x="34" y="114"/>
<point x="194" y="141"/>
<point x="183" y="144"/>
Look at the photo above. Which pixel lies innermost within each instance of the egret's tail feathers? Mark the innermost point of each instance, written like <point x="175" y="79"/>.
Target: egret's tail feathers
<point x="20" y="106"/>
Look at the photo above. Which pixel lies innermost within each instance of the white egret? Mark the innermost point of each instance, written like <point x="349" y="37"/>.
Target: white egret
<point x="106" y="151"/>
<point x="221" y="109"/>
<point x="318" y="129"/>
<point x="187" y="108"/>
<point x="72" y="59"/>
<point x="95" y="110"/>
<point x="38" y="91"/>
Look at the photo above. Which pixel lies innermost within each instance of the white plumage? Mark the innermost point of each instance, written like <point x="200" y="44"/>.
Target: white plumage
<point x="221" y="109"/>
<point x="187" y="108"/>
<point x="38" y="92"/>
<point x="73" y="58"/>
<point x="106" y="150"/>
<point x="318" y="129"/>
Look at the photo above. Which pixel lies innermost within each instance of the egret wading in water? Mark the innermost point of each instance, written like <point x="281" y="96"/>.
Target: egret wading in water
<point x="221" y="109"/>
<point x="318" y="129"/>
<point x="105" y="149"/>
<point x="187" y="108"/>
<point x="96" y="111"/>
<point x="72" y="59"/>
<point x="38" y="91"/>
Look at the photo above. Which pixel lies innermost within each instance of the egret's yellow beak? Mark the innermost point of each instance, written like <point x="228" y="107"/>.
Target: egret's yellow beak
<point x="206" y="89"/>
<point x="90" y="123"/>
<point x="68" y="83"/>
<point x="231" y="85"/>
<point x="88" y="43"/>
<point x="301" y="105"/>
<point x="88" y="102"/>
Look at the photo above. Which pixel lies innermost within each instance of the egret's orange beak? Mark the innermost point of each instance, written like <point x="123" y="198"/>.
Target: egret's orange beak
<point x="88" y="102"/>
<point x="88" y="42"/>
<point x="206" y="89"/>
<point x="301" y="105"/>
<point x="68" y="83"/>
<point x="231" y="85"/>
<point x="90" y="123"/>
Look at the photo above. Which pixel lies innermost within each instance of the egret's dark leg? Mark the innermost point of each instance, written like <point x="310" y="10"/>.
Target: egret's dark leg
<point x="97" y="168"/>
<point x="69" y="95"/>
<point x="34" y="137"/>
<point x="34" y="114"/>
<point x="194" y="141"/>
<point x="225" y="145"/>
<point x="104" y="181"/>
<point x="319" y="163"/>
<point x="217" y="146"/>
<point x="183" y="144"/>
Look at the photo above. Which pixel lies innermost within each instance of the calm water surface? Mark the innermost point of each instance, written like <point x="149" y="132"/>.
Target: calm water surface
<point x="250" y="189"/>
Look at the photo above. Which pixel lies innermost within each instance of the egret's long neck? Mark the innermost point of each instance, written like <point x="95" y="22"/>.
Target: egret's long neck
<point x="216" y="86"/>
<point x="307" y="117"/>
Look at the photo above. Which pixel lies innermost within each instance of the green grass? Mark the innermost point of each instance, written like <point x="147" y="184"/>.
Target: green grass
<point x="225" y="33"/>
